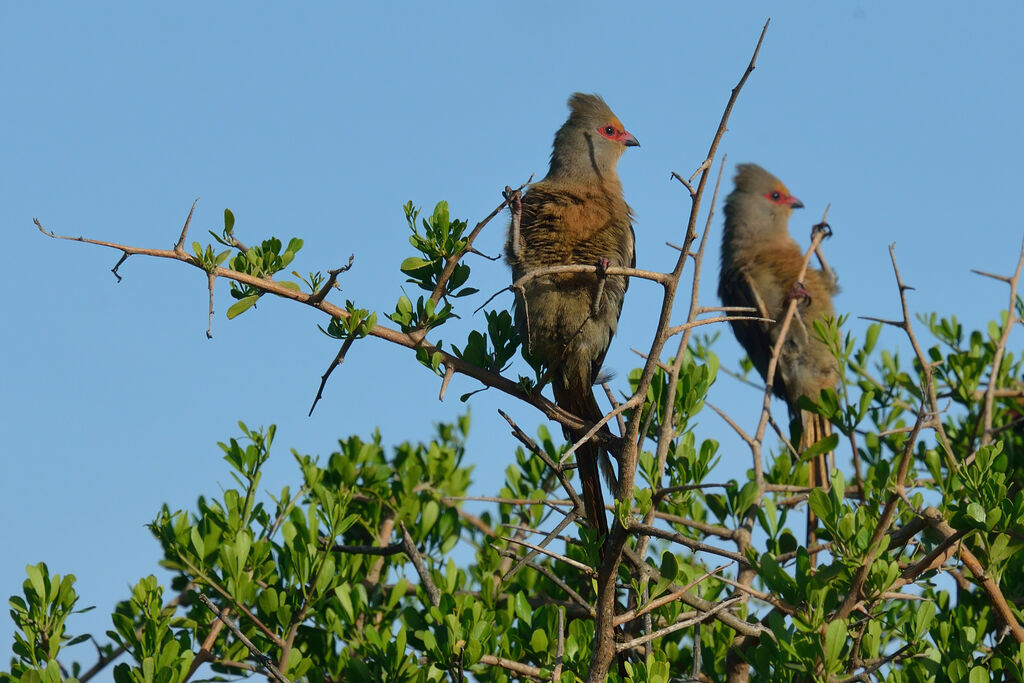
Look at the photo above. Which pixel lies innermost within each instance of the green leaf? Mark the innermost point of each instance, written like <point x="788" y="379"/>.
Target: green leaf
<point x="923" y="617"/>
<point x="669" y="566"/>
<point x="539" y="641"/>
<point x="241" y="307"/>
<point x="825" y="445"/>
<point x="979" y="675"/>
<point x="197" y="542"/>
<point x="835" y="639"/>
<point x="431" y="511"/>
<point x="976" y="512"/>
<point x="35" y="577"/>
<point x="871" y="337"/>
<point x="776" y="578"/>
<point x="523" y="609"/>
<point x="746" y="498"/>
<point x="820" y="503"/>
<point x="344" y="595"/>
<point x="413" y="263"/>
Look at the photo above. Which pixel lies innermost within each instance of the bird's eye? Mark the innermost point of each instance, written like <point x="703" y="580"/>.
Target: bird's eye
<point x="776" y="196"/>
<point x="609" y="130"/>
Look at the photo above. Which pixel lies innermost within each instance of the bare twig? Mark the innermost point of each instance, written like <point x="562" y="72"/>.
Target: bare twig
<point x="262" y="660"/>
<point x="448" y="374"/>
<point x="332" y="280"/>
<point x="615" y="404"/>
<point x="453" y="260"/>
<point x="561" y="558"/>
<point x="421" y="568"/>
<point x="338" y="360"/>
<point x="551" y="576"/>
<point x="997" y="359"/>
<point x="532" y="446"/>
<point x="685" y="623"/>
<point x="513" y="666"/>
<point x="556" y="673"/>
<point x="660" y="278"/>
<point x="179" y="246"/>
<point x="569" y="518"/>
<point x="665" y="599"/>
<point x="991" y="588"/>
<point x="210" y="279"/>
<point x="696" y="546"/>
<point x="269" y="286"/>
<point x="378" y="550"/>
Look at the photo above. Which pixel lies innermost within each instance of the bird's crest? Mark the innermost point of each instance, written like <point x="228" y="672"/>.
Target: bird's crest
<point x="591" y="106"/>
<point x="752" y="179"/>
<point x="580" y="150"/>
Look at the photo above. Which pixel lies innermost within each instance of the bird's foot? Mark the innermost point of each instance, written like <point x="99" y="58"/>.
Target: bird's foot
<point x="602" y="266"/>
<point x="822" y="228"/>
<point x="798" y="292"/>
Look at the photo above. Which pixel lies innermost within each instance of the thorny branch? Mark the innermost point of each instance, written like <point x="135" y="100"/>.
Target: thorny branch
<point x="997" y="360"/>
<point x="604" y="646"/>
<point x="450" y="361"/>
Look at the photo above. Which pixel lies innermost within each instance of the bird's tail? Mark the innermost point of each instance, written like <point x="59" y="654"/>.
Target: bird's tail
<point x="815" y="428"/>
<point x="590" y="457"/>
<point x="580" y="401"/>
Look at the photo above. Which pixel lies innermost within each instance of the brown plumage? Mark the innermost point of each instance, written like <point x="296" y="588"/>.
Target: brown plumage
<point x="576" y="215"/>
<point x="760" y="267"/>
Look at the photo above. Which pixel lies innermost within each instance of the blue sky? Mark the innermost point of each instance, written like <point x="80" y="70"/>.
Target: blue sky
<point x="321" y="120"/>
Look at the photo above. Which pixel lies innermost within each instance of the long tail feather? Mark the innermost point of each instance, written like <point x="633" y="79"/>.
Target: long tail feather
<point x="582" y="403"/>
<point x="815" y="428"/>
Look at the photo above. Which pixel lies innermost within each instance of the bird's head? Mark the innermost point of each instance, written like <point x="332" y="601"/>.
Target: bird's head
<point x="591" y="140"/>
<point x="758" y="186"/>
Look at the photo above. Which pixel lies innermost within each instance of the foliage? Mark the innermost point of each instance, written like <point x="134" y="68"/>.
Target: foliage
<point x="375" y="567"/>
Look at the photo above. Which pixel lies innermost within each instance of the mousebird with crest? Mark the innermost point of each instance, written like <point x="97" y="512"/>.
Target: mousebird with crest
<point x="761" y="266"/>
<point x="576" y="215"/>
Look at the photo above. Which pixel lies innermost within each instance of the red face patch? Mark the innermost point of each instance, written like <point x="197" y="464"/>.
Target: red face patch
<point x="782" y="197"/>
<point x="616" y="133"/>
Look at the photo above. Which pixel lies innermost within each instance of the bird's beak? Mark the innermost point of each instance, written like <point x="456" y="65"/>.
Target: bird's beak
<point x="795" y="203"/>
<point x="630" y="141"/>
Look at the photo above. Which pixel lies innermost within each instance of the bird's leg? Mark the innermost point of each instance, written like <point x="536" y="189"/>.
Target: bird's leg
<point x="800" y="293"/>
<point x="762" y="307"/>
<point x="826" y="270"/>
<point x="602" y="276"/>
<point x="521" y="300"/>
<point x="515" y="205"/>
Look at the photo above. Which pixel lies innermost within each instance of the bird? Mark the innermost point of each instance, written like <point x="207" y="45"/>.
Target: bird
<point x="576" y="215"/>
<point x="760" y="269"/>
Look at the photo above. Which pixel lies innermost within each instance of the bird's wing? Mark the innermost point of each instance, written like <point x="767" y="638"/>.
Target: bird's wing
<point x="599" y="360"/>
<point x="632" y="251"/>
<point x="757" y="338"/>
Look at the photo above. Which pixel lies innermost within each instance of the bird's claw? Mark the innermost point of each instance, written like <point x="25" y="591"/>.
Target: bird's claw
<point x="798" y="292"/>
<point x="822" y="228"/>
<point x="602" y="266"/>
